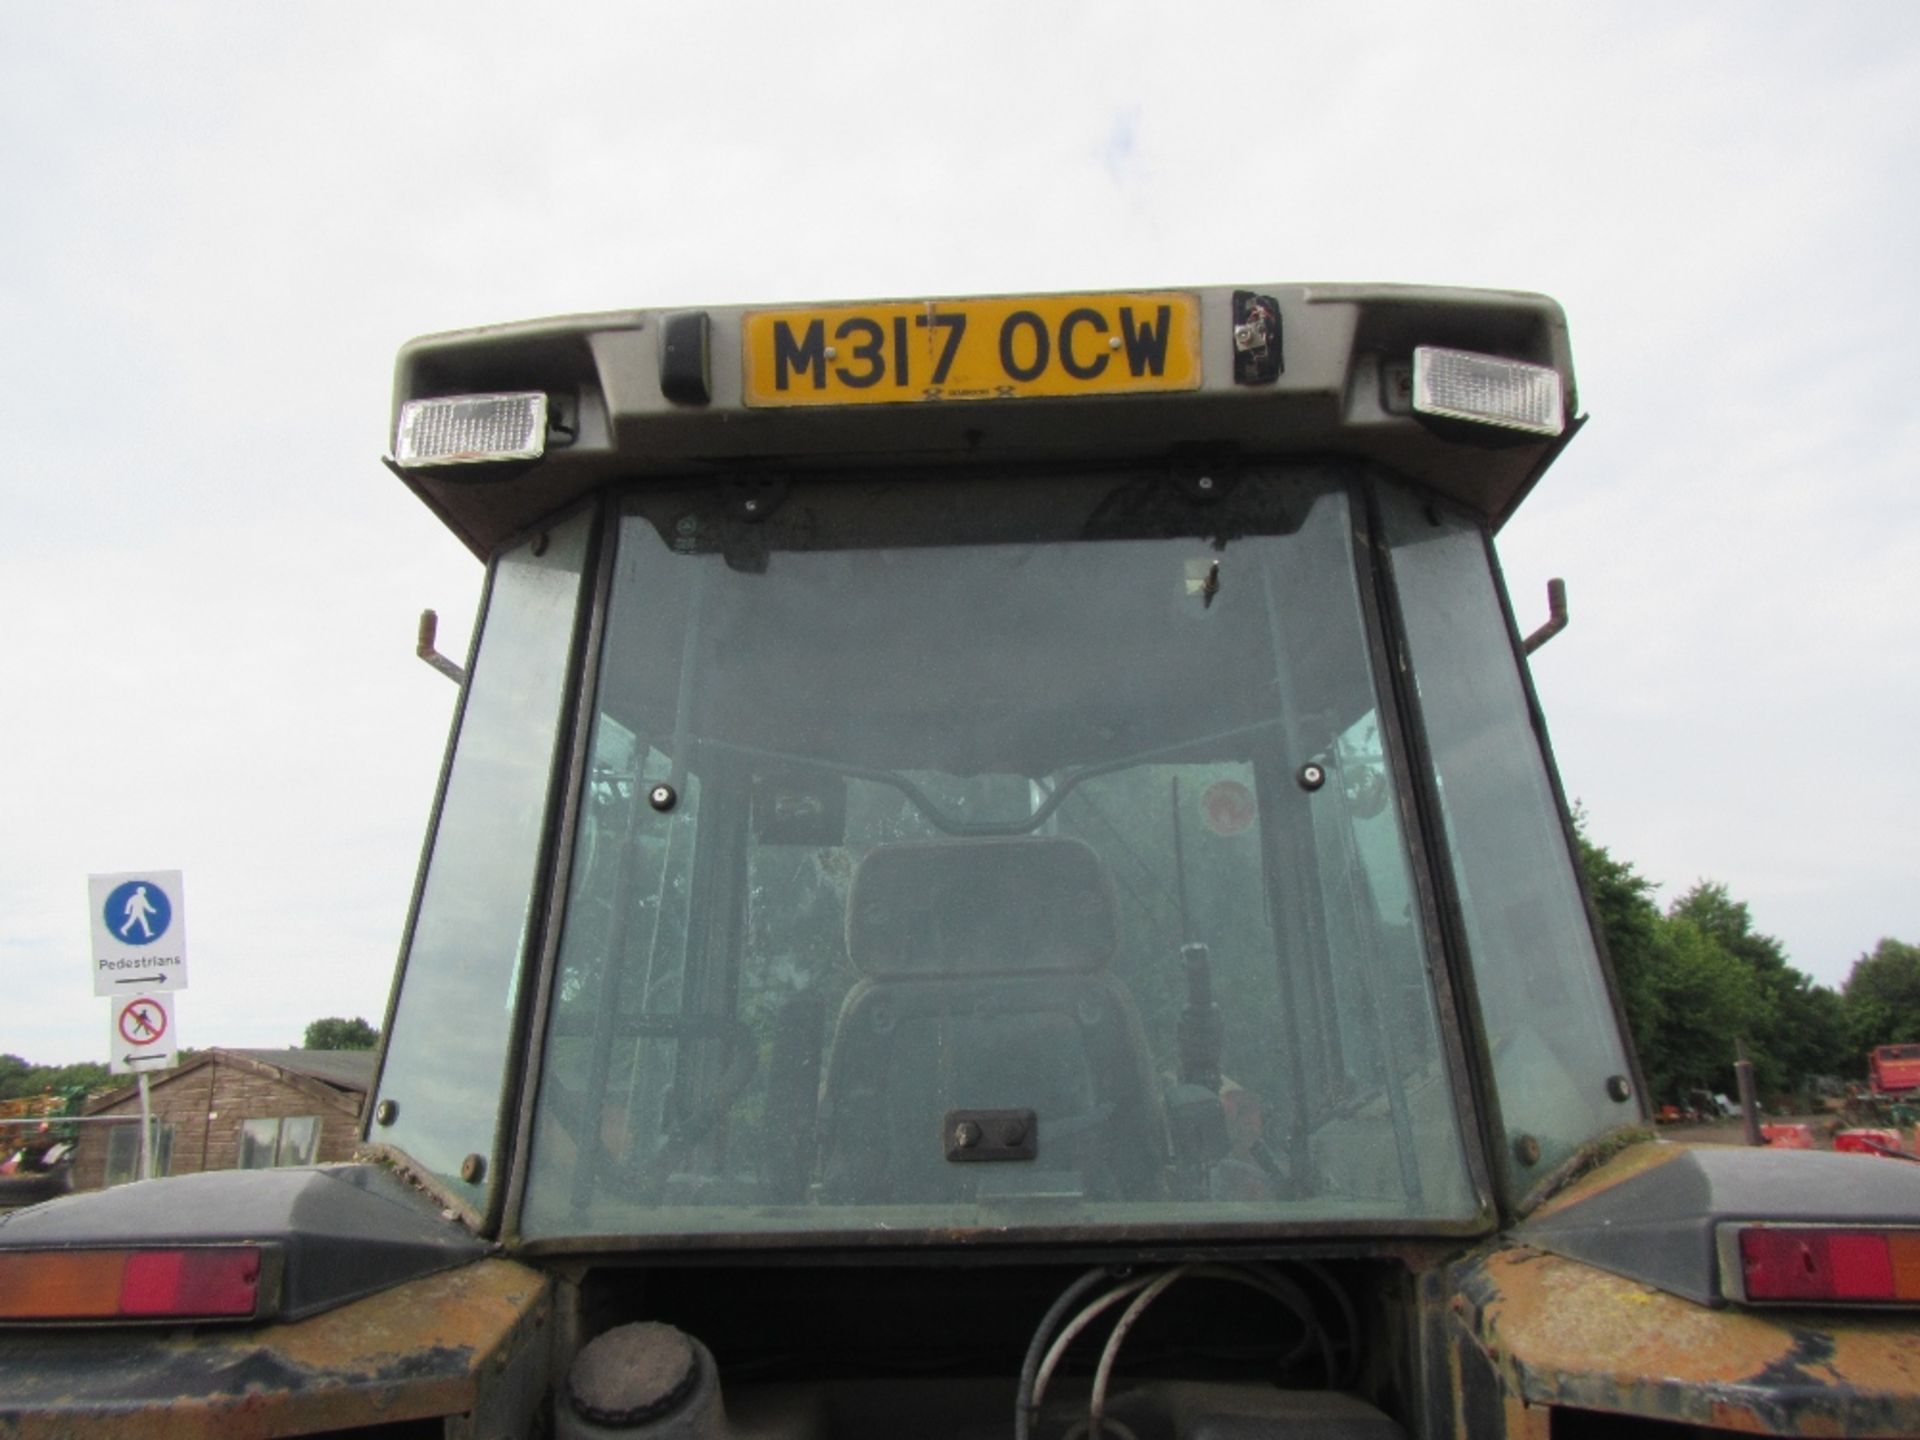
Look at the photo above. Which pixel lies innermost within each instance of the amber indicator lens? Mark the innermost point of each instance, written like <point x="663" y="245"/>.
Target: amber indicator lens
<point x="204" y="1283"/>
<point x="1842" y="1265"/>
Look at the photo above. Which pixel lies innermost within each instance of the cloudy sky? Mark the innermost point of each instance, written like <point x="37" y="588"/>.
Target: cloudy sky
<point x="218" y="222"/>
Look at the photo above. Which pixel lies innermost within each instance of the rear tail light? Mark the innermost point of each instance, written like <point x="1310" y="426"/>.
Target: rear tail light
<point x="220" y="1282"/>
<point x="1830" y="1264"/>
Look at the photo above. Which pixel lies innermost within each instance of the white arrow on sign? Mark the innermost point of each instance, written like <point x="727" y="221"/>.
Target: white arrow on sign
<point x="143" y="1036"/>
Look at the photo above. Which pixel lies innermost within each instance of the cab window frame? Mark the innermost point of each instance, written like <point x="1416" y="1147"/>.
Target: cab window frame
<point x="1516" y="1194"/>
<point x="499" y="1166"/>
<point x="1425" y="854"/>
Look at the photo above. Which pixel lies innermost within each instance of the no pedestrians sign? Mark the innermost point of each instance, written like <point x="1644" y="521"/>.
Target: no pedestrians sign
<point x="143" y="1035"/>
<point x="139" y="930"/>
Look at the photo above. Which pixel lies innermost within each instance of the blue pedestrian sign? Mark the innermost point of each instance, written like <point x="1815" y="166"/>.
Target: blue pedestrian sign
<point x="139" y="932"/>
<point x="138" y="912"/>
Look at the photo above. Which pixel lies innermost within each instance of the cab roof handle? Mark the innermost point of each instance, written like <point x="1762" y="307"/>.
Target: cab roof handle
<point x="423" y="647"/>
<point x="1556" y="616"/>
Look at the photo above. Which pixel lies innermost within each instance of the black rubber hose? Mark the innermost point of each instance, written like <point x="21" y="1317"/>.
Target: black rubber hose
<point x="1023" y="1406"/>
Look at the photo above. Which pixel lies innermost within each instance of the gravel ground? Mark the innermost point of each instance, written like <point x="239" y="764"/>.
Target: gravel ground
<point x="1734" y="1131"/>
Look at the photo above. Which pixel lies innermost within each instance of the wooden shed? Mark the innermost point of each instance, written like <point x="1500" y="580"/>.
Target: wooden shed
<point x="232" y="1109"/>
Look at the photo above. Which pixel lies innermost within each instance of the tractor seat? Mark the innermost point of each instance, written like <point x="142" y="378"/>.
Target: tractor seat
<point x="986" y="984"/>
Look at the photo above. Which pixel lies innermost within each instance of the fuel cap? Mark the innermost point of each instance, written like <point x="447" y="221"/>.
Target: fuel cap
<point x="633" y="1374"/>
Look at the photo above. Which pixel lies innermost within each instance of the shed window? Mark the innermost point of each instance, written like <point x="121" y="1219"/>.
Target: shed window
<point x="286" y="1140"/>
<point x="123" y="1150"/>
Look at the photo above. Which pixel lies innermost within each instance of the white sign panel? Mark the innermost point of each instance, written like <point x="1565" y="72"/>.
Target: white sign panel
<point x="139" y="930"/>
<point x="143" y="1036"/>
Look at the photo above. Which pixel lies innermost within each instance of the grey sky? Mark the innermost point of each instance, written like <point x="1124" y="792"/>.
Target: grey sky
<point x="221" y="220"/>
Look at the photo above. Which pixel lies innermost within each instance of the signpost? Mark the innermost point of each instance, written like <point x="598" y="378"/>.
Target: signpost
<point x="138" y="926"/>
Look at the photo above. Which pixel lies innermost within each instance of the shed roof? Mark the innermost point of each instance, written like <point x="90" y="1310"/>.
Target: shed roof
<point x="346" y="1069"/>
<point x="341" y="1077"/>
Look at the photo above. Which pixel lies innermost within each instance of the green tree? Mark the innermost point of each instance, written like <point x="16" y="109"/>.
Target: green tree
<point x="1810" y="1032"/>
<point x="1821" y="1014"/>
<point x="19" y="1079"/>
<point x="1700" y="978"/>
<point x="1711" y="1000"/>
<point x="88" y="1076"/>
<point x="336" y="1033"/>
<point x="1797" y="1033"/>
<point x="1630" y="925"/>
<point x="1882" y="997"/>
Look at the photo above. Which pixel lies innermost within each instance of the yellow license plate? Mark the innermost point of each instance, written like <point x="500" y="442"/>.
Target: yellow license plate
<point x="904" y="352"/>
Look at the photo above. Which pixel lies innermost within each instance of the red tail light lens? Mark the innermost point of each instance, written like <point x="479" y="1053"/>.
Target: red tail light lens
<point x="190" y="1282"/>
<point x="200" y="1283"/>
<point x="1780" y="1262"/>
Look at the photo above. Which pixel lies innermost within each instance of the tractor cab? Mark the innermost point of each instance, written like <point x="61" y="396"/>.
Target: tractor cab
<point x="997" y="873"/>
